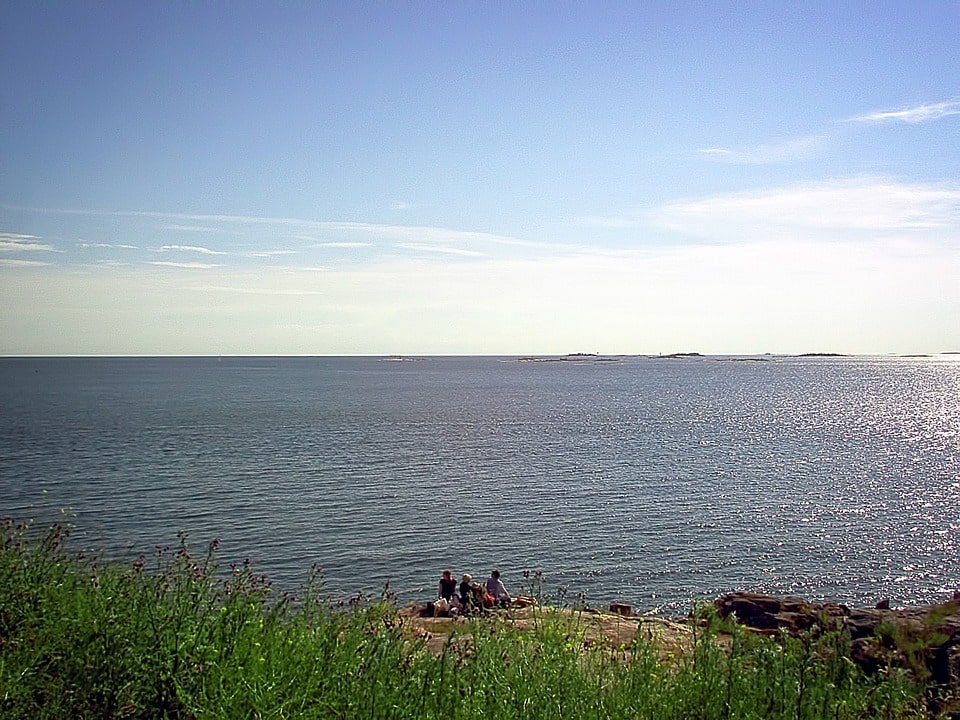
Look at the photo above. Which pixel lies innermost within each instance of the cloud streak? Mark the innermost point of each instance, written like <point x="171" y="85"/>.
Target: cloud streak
<point x="192" y="248"/>
<point x="374" y="230"/>
<point x="19" y="242"/>
<point x="184" y="265"/>
<point x="913" y="115"/>
<point x="272" y="231"/>
<point x="111" y="246"/>
<point x="269" y="253"/>
<point x="342" y="245"/>
<point x="420" y="233"/>
<point x="421" y="247"/>
<point x="11" y="262"/>
<point x="795" y="150"/>
<point x="842" y="206"/>
<point x="282" y="292"/>
<point x="190" y="228"/>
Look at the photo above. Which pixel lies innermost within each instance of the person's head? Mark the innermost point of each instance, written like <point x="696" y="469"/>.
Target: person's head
<point x="467" y="578"/>
<point x="495" y="573"/>
<point x="446" y="574"/>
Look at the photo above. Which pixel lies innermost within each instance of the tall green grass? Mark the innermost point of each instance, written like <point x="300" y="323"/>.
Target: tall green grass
<point x="171" y="636"/>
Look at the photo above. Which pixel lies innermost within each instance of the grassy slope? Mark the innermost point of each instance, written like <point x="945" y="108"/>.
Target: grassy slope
<point x="171" y="637"/>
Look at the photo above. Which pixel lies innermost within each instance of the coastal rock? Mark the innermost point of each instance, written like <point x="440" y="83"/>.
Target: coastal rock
<point x="925" y="639"/>
<point x="769" y="613"/>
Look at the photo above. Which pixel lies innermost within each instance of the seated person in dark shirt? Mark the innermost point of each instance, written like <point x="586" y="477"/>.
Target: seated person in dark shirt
<point x="448" y="586"/>
<point x="471" y="594"/>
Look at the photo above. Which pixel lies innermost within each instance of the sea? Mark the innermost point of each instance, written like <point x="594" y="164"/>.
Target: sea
<point x="660" y="482"/>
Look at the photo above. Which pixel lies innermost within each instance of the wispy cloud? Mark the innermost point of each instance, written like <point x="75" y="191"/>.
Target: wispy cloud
<point x="445" y="250"/>
<point x="717" y="152"/>
<point x="281" y="292"/>
<point x="268" y="253"/>
<point x="305" y="270"/>
<point x="794" y="150"/>
<point x="111" y="246"/>
<point x="618" y="221"/>
<point x="712" y="297"/>
<point x="374" y="230"/>
<point x="10" y="262"/>
<point x="342" y="245"/>
<point x="18" y="242"/>
<point x="912" y="115"/>
<point x="186" y="265"/>
<point x="190" y="228"/>
<point x="850" y="205"/>
<point x="332" y="233"/>
<point x="192" y="248"/>
<point x="419" y="233"/>
<point x="16" y="236"/>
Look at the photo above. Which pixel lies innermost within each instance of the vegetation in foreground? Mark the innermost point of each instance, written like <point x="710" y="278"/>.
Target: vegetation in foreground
<point x="172" y="637"/>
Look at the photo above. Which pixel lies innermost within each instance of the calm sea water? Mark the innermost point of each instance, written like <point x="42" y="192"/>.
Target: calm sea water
<point x="648" y="480"/>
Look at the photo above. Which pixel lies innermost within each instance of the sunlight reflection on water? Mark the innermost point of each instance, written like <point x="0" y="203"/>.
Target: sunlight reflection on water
<point x="649" y="480"/>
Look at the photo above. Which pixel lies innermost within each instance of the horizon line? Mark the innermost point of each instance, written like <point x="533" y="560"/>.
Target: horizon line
<point x="533" y="355"/>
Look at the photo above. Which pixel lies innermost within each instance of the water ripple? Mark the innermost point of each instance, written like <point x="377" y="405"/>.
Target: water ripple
<point x="653" y="481"/>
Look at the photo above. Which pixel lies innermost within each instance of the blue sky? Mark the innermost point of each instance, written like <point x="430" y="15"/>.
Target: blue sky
<point x="416" y="178"/>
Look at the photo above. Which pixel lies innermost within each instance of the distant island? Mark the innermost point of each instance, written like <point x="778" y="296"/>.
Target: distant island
<point x="570" y="357"/>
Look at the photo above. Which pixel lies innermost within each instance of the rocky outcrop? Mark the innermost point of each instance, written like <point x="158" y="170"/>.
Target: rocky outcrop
<point x="924" y="640"/>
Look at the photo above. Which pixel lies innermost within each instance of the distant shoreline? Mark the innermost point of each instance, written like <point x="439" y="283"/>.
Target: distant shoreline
<point x="546" y="357"/>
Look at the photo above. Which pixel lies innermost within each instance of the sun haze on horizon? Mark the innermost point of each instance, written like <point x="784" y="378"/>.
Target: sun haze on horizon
<point x="342" y="179"/>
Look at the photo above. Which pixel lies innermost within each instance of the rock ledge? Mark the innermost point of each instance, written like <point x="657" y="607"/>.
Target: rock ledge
<point x="924" y="639"/>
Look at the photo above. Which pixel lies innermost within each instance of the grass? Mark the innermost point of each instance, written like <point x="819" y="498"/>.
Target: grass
<point x="171" y="636"/>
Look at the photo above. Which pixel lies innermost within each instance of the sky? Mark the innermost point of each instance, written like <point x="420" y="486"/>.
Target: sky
<point x="353" y="178"/>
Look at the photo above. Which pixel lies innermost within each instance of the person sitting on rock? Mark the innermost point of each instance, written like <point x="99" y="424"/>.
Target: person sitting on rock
<point x="448" y="586"/>
<point x="496" y="589"/>
<point x="468" y="598"/>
